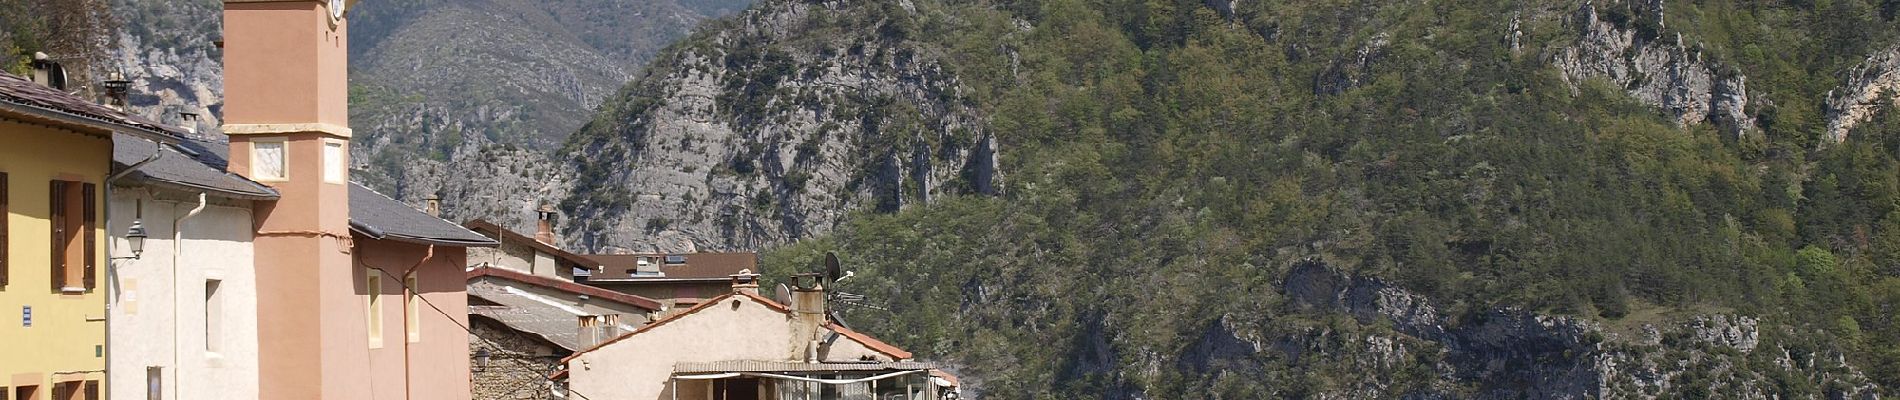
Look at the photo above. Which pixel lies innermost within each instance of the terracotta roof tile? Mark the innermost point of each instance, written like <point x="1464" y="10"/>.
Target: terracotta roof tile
<point x="20" y="91"/>
<point x="871" y="342"/>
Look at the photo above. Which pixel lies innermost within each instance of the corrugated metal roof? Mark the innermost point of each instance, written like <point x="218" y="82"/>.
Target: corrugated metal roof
<point x="794" y="366"/>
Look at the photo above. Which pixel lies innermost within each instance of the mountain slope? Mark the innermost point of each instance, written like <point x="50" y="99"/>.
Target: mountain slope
<point x="769" y="128"/>
<point x="1334" y="199"/>
<point x="462" y="100"/>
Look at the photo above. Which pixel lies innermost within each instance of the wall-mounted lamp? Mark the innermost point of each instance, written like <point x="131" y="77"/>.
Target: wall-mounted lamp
<point x="135" y="239"/>
<point x="481" y="359"/>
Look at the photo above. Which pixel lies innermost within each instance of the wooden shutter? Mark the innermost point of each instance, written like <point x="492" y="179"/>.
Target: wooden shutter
<point x="57" y="206"/>
<point x="4" y="243"/>
<point x="90" y="231"/>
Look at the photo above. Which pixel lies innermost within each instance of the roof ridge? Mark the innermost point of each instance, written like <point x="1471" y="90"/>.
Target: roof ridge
<point x="869" y="342"/>
<point x="570" y="287"/>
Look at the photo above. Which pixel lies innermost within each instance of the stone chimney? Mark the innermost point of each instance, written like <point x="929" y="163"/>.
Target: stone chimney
<point x="594" y="329"/>
<point x="189" y="121"/>
<point x="808" y="314"/>
<point x="47" y="72"/>
<point x="745" y="282"/>
<point x="544" y="227"/>
<point x="432" y="205"/>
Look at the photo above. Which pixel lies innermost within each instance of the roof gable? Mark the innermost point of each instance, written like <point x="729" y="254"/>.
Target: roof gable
<point x="509" y="236"/>
<point x="855" y="336"/>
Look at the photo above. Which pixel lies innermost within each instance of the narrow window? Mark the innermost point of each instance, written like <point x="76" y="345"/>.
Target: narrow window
<point x="333" y="165"/>
<point x="375" y="289"/>
<point x="269" y="160"/>
<point x="214" y="316"/>
<point x="154" y="383"/>
<point x="412" y="322"/>
<point x="73" y="215"/>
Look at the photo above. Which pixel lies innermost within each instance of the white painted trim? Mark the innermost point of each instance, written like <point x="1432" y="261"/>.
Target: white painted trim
<point x="278" y="129"/>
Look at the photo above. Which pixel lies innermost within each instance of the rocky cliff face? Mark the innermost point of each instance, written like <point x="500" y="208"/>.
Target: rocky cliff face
<point x="1870" y="86"/>
<point x="1508" y="353"/>
<point x="461" y="100"/>
<point x="1625" y="42"/>
<point x="773" y="126"/>
<point x="167" y="51"/>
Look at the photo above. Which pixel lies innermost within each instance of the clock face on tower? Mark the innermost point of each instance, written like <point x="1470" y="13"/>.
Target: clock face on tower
<point x="337" y="7"/>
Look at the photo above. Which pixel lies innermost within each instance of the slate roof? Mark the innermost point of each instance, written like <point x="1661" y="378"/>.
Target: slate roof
<point x="182" y="168"/>
<point x="383" y="218"/>
<point x="531" y="313"/>
<point x="698" y="267"/>
<point x="21" y="96"/>
<point x="565" y="286"/>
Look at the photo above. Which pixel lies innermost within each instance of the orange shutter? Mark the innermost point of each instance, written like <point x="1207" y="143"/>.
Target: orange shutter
<point x="91" y="234"/>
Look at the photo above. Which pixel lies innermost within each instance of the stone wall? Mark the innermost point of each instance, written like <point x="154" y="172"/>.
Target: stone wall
<point x="517" y="367"/>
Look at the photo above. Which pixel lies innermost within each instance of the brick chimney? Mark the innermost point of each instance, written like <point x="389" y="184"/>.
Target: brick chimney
<point x="286" y="96"/>
<point x="544" y="226"/>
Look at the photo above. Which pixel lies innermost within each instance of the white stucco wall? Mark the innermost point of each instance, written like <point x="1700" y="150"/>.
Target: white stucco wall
<point x="737" y="328"/>
<point x="146" y="329"/>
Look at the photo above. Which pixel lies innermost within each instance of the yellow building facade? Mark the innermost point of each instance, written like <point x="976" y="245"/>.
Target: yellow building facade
<point x="52" y="336"/>
<point x="55" y="155"/>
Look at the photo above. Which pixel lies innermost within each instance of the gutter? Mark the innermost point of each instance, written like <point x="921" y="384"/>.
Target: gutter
<point x="85" y="121"/>
<point x="178" y="236"/>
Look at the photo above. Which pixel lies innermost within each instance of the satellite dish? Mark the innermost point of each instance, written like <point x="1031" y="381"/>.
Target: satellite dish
<point x="783" y="294"/>
<point x="832" y="272"/>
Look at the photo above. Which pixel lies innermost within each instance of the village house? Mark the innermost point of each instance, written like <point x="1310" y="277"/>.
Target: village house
<point x="741" y="345"/>
<point x="181" y="299"/>
<point x="538" y="256"/>
<point x="521" y="325"/>
<point x="526" y="310"/>
<point x="678" y="281"/>
<point x="56" y="158"/>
